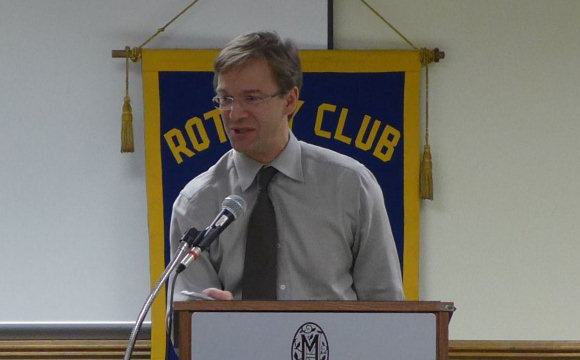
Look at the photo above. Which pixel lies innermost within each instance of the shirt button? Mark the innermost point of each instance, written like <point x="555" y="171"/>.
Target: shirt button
<point x="282" y="287"/>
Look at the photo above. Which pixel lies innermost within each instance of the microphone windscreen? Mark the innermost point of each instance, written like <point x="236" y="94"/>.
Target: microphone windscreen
<point x="234" y="204"/>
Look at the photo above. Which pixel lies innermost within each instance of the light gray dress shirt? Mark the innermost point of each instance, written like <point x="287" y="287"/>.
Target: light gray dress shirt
<point x="335" y="239"/>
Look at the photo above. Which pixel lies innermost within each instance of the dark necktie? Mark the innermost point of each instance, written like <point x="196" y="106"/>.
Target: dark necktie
<point x="260" y="271"/>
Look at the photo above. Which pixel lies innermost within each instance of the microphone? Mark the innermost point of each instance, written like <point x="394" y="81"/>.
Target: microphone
<point x="232" y="207"/>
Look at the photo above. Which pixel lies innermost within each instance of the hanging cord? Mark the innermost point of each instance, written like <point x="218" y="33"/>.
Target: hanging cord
<point x="127" y="144"/>
<point x="426" y="172"/>
<point x="426" y="57"/>
<point x="389" y="24"/>
<point x="427" y="104"/>
<point x="127" y="141"/>
<point x="160" y="30"/>
<point x="135" y="53"/>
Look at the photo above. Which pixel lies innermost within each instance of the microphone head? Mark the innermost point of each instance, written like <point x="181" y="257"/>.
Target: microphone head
<point x="234" y="204"/>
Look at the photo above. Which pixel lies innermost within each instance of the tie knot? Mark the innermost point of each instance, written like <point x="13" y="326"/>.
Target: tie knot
<point x="264" y="176"/>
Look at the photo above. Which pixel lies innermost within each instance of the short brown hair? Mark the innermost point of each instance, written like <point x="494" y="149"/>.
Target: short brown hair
<point x="282" y="57"/>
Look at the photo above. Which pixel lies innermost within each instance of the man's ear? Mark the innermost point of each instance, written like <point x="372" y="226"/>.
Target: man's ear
<point x="291" y="101"/>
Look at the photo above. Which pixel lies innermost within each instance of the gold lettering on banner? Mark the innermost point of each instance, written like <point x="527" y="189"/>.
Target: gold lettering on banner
<point x="340" y="128"/>
<point x="199" y="143"/>
<point x="197" y="134"/>
<point x="359" y="142"/>
<point x="217" y="120"/>
<point x="384" y="147"/>
<point x="319" y="116"/>
<point x="326" y="125"/>
<point x="177" y="145"/>
<point x="387" y="142"/>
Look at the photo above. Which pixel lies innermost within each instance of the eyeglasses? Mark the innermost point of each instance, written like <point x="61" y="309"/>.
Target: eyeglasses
<point x="247" y="101"/>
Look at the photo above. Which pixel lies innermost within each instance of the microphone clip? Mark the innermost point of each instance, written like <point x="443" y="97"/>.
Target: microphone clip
<point x="193" y="237"/>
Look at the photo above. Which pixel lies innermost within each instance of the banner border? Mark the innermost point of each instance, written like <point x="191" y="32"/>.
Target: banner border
<point x="154" y="186"/>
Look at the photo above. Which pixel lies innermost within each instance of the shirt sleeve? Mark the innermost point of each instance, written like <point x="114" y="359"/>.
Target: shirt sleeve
<point x="376" y="269"/>
<point x="201" y="274"/>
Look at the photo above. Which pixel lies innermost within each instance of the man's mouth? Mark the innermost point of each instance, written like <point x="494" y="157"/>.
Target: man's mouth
<point x="241" y="130"/>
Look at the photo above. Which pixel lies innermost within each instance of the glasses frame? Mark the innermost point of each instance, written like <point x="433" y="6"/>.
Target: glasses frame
<point x="246" y="101"/>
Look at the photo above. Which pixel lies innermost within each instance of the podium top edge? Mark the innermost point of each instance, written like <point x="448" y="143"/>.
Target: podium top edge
<point x="315" y="306"/>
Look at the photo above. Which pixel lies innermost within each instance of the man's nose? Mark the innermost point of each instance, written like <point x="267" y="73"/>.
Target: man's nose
<point x="237" y="111"/>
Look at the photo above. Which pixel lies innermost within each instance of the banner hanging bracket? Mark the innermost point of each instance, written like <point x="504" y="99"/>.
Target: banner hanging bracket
<point x="428" y="56"/>
<point x="134" y="54"/>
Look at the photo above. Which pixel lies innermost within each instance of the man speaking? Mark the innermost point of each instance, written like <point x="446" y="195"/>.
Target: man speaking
<point x="316" y="227"/>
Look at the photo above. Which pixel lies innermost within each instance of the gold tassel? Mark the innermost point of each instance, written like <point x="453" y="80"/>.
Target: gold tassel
<point x="426" y="176"/>
<point x="127" y="127"/>
<point x="127" y="117"/>
<point x="426" y="169"/>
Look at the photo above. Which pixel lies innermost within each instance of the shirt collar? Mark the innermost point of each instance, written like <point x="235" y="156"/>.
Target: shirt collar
<point x="289" y="163"/>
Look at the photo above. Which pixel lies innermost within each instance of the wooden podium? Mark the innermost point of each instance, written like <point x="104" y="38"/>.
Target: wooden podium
<point x="438" y="329"/>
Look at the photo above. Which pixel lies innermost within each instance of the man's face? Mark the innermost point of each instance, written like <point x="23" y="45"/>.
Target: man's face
<point x="260" y="131"/>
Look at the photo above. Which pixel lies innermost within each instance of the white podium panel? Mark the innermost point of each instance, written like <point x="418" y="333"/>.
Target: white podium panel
<point x="313" y="336"/>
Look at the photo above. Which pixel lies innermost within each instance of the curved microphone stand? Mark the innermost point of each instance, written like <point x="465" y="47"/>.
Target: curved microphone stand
<point x="181" y="252"/>
<point x="232" y="207"/>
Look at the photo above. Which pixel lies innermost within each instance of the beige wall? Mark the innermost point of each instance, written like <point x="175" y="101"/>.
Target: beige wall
<point x="73" y="212"/>
<point x="502" y="237"/>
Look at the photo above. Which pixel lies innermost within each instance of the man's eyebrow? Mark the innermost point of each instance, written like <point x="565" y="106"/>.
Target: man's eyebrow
<point x="223" y="92"/>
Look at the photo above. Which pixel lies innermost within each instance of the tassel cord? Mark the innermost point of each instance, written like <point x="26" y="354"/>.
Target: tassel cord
<point x="127" y="49"/>
<point x="426" y="104"/>
<point x="389" y="24"/>
<point x="162" y="29"/>
<point x="426" y="171"/>
<point x="127" y="142"/>
<point x="426" y="57"/>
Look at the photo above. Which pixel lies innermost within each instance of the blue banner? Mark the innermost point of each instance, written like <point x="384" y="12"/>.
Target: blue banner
<point x="364" y="104"/>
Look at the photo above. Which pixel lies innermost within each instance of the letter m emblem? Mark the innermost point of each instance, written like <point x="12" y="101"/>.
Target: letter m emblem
<point x="310" y="347"/>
